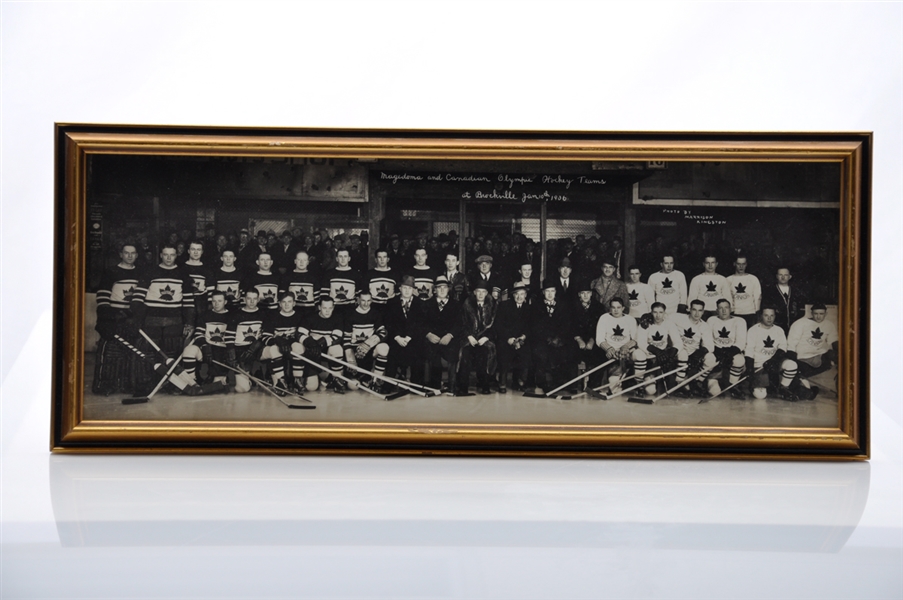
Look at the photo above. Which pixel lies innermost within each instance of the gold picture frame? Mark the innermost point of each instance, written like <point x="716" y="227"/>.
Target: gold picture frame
<point x="378" y="180"/>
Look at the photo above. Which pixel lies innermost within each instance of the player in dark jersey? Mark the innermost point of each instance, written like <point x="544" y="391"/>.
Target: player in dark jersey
<point x="245" y="335"/>
<point x="321" y="333"/>
<point x="264" y="281"/>
<point x="423" y="274"/>
<point x="281" y="332"/>
<point x="341" y="283"/>
<point x="163" y="304"/>
<point x="114" y="369"/>
<point x="382" y="281"/>
<point x="209" y="342"/>
<point x="227" y="279"/>
<point x="201" y="274"/>
<point x="303" y="283"/>
<point x="365" y="337"/>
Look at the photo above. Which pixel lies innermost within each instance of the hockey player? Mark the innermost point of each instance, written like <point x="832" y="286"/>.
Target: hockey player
<point x="746" y="292"/>
<point x="424" y="275"/>
<point x="766" y="348"/>
<point x="114" y="366"/>
<point x="201" y="274"/>
<point x="265" y="282"/>
<point x="709" y="286"/>
<point x="321" y="333"/>
<point x="639" y="295"/>
<point x="382" y="281"/>
<point x="245" y="336"/>
<point x="513" y="338"/>
<point x="303" y="284"/>
<point x="209" y="342"/>
<point x="670" y="287"/>
<point x="365" y="338"/>
<point x="163" y="303"/>
<point x="697" y="354"/>
<point x="342" y="284"/>
<point x="227" y="279"/>
<point x="812" y="343"/>
<point x="477" y="340"/>
<point x="658" y="345"/>
<point x="729" y="337"/>
<point x="281" y="332"/>
<point x="616" y="336"/>
<point x="441" y="320"/>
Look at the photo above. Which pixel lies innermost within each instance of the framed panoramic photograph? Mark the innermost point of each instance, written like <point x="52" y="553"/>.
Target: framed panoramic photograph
<point x="247" y="290"/>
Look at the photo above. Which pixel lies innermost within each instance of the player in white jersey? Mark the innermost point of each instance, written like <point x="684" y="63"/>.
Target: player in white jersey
<point x="766" y="349"/>
<point x="616" y="336"/>
<point x="729" y="337"/>
<point x="697" y="354"/>
<point x="746" y="292"/>
<point x="658" y="343"/>
<point x="670" y="287"/>
<point x="709" y="287"/>
<point x="640" y="295"/>
<point x="812" y="343"/>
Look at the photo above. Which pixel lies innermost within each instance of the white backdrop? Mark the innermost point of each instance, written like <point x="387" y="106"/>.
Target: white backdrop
<point x="523" y="65"/>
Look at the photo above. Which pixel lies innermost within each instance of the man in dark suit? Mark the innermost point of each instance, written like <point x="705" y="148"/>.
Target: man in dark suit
<point x="491" y="279"/>
<point x="513" y="338"/>
<point x="441" y="323"/>
<point x="552" y="340"/>
<point x="565" y="285"/>
<point x="404" y="322"/>
<point x="789" y="301"/>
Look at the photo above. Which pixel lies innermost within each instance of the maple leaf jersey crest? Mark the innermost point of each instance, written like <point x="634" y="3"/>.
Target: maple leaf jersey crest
<point x="303" y="292"/>
<point x="381" y="292"/>
<point x="724" y="333"/>
<point x="198" y="282"/>
<point x="634" y="295"/>
<point x="768" y="342"/>
<point x="121" y="292"/>
<point x="740" y="289"/>
<point x="816" y="335"/>
<point x="167" y="293"/>
<point x="689" y="333"/>
<point x="667" y="283"/>
<point x="617" y="332"/>
<point x="424" y="291"/>
<point x="230" y="292"/>
<point x="216" y="334"/>
<point x="268" y="296"/>
<point x="341" y="293"/>
<point x="657" y="337"/>
<point x="710" y="288"/>
<point x="247" y="333"/>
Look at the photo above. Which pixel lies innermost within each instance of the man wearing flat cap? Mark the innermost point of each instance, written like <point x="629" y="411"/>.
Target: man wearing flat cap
<point x="477" y="340"/>
<point x="490" y="278"/>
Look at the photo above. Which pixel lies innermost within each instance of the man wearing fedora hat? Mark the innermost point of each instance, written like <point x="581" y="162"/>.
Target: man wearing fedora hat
<point x="441" y="323"/>
<point x="514" y="338"/>
<point x="477" y="340"/>
<point x="553" y="343"/>
<point x="404" y="324"/>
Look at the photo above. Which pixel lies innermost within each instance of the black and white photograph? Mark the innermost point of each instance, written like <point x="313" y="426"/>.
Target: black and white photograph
<point x="673" y="292"/>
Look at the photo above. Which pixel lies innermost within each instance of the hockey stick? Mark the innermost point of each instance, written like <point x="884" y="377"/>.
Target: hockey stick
<point x="342" y="377"/>
<point x="683" y="383"/>
<point x="396" y="380"/>
<point x="641" y="384"/>
<point x="374" y="375"/>
<point x="731" y="386"/>
<point x="175" y="378"/>
<point x="164" y="379"/>
<point x="269" y="387"/>
<point x="625" y="378"/>
<point x="584" y="375"/>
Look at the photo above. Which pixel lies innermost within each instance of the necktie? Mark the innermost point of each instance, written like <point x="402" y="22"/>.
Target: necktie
<point x="480" y="317"/>
<point x="550" y="308"/>
<point x="406" y="306"/>
<point x="564" y="284"/>
<point x="441" y="305"/>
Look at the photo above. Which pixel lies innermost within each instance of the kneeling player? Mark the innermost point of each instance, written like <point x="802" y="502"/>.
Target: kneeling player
<point x="812" y="343"/>
<point x="209" y="345"/>
<point x="245" y="337"/>
<point x="729" y="336"/>
<point x="658" y="344"/>
<point x="280" y="333"/>
<point x="320" y="333"/>
<point x="365" y="336"/>
<point x="696" y="358"/>
<point x="616" y="336"/>
<point x="766" y="359"/>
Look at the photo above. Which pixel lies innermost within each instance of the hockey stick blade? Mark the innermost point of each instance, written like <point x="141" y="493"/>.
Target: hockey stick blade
<point x="641" y="400"/>
<point x="397" y="394"/>
<point x="302" y="406"/>
<point x="141" y="400"/>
